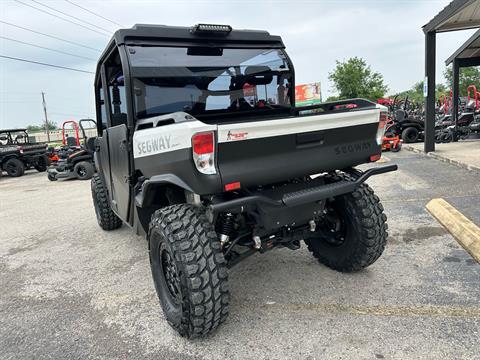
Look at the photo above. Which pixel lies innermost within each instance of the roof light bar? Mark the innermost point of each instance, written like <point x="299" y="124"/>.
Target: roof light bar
<point x="212" y="28"/>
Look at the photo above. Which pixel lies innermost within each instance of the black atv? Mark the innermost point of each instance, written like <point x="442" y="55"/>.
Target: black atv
<point x="18" y="154"/>
<point x="75" y="162"/>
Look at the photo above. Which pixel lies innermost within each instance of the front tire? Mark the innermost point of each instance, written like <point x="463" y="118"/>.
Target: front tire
<point x="354" y="232"/>
<point x="106" y="218"/>
<point x="189" y="270"/>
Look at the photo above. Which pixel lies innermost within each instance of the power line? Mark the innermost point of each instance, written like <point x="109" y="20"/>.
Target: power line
<point x="93" y="13"/>
<point x="50" y="36"/>
<point x="45" y="64"/>
<point x="73" y="17"/>
<point x="62" y="18"/>
<point x="45" y="48"/>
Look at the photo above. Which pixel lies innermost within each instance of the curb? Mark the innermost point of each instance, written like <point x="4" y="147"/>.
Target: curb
<point x="462" y="229"/>
<point x="442" y="158"/>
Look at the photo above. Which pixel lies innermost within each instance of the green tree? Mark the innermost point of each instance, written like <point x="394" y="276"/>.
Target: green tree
<point x="354" y="78"/>
<point x="41" y="127"/>
<point x="468" y="76"/>
<point x="415" y="94"/>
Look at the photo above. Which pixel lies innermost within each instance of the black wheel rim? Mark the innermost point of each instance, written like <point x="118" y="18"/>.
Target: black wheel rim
<point x="11" y="169"/>
<point x="333" y="228"/>
<point x="170" y="274"/>
<point x="82" y="171"/>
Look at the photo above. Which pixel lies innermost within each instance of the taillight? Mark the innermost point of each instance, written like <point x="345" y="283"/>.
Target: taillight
<point x="203" y="149"/>
<point x="381" y="127"/>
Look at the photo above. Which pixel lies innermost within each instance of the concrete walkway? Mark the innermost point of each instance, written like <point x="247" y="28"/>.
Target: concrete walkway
<point x="465" y="153"/>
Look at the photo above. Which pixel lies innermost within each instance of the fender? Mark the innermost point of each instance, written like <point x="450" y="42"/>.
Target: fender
<point x="149" y="185"/>
<point x="5" y="158"/>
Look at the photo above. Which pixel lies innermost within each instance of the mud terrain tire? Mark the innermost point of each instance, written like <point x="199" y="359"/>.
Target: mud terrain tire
<point x="364" y="234"/>
<point x="189" y="270"/>
<point x="106" y="218"/>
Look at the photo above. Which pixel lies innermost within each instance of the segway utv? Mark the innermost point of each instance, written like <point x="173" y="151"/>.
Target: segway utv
<point x="78" y="164"/>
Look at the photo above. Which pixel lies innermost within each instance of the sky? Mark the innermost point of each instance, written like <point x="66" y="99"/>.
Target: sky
<point x="386" y="33"/>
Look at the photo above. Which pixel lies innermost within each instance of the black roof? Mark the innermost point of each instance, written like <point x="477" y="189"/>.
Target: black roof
<point x="458" y="15"/>
<point x="469" y="50"/>
<point x="11" y="130"/>
<point x="145" y="34"/>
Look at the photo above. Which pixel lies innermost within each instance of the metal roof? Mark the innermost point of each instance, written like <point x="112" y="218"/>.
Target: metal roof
<point x="12" y="130"/>
<point x="469" y="50"/>
<point x="458" y="15"/>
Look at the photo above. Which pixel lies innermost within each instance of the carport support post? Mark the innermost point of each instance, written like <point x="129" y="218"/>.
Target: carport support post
<point x="430" y="49"/>
<point x="455" y="90"/>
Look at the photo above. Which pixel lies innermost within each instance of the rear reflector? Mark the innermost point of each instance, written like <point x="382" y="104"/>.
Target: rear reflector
<point x="232" y="186"/>
<point x="203" y="149"/>
<point x="375" y="157"/>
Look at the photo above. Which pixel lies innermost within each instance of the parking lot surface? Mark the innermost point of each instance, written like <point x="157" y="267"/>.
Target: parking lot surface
<point x="72" y="291"/>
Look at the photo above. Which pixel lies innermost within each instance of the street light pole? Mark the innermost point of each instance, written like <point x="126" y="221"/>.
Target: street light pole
<point x="46" y="118"/>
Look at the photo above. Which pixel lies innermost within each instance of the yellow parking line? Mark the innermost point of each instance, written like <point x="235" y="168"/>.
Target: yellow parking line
<point x="463" y="230"/>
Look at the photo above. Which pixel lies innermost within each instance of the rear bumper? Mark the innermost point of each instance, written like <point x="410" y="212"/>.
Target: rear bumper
<point x="311" y="192"/>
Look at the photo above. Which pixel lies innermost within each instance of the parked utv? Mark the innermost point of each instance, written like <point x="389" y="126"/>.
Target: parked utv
<point x="75" y="160"/>
<point x="17" y="153"/>
<point x="201" y="149"/>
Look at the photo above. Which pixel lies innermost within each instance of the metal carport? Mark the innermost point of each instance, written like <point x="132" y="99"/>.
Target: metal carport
<point x="458" y="15"/>
<point x="467" y="55"/>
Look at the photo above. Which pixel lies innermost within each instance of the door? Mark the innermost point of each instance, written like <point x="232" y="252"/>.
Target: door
<point x="113" y="84"/>
<point x="119" y="170"/>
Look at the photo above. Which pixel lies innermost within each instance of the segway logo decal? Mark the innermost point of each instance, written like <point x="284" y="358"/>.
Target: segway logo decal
<point x="155" y="145"/>
<point x="352" y="148"/>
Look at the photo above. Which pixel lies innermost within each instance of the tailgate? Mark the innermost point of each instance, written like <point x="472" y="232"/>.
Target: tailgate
<point x="269" y="151"/>
<point x="31" y="149"/>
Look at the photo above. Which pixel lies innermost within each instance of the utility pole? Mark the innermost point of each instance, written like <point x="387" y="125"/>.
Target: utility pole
<point x="46" y="118"/>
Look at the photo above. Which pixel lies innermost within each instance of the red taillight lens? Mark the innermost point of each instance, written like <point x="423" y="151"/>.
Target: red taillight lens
<point x="203" y="149"/>
<point x="203" y="143"/>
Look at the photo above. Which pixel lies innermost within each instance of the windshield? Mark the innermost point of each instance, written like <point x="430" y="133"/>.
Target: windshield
<point x="209" y="81"/>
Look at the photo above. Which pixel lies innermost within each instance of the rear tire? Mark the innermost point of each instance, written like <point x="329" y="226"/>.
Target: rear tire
<point x="188" y="269"/>
<point x="359" y="235"/>
<point x="106" y="218"/>
<point x="84" y="170"/>
<point x="14" y="167"/>
<point x="410" y="135"/>
<point x="42" y="163"/>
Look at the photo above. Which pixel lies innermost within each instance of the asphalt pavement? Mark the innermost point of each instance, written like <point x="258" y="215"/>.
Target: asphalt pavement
<point x="72" y="291"/>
